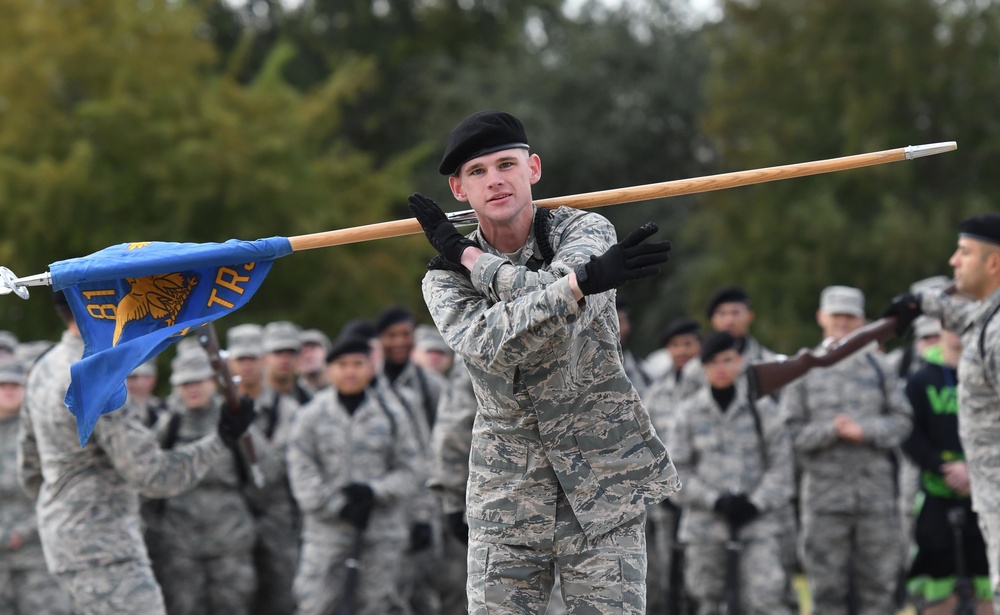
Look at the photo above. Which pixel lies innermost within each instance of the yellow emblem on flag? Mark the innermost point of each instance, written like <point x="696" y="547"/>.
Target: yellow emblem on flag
<point x="161" y="296"/>
<point x="138" y="244"/>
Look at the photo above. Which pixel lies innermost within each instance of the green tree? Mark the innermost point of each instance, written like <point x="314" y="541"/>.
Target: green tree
<point x="118" y="123"/>
<point x="793" y="81"/>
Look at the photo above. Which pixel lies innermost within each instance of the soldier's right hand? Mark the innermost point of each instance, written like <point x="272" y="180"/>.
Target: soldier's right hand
<point x="440" y="232"/>
<point x="232" y="425"/>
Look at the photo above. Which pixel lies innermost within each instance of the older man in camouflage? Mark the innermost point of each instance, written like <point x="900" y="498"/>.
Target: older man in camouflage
<point x="564" y="460"/>
<point x="736" y="460"/>
<point x="26" y="587"/>
<point x="976" y="264"/>
<point x="846" y="421"/>
<point x="87" y="498"/>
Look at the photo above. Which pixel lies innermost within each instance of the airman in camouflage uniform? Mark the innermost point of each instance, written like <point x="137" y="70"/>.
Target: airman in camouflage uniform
<point x="736" y="460"/>
<point x="564" y="460"/>
<point x="976" y="264"/>
<point x="682" y="342"/>
<point x="87" y="498"/>
<point x="277" y="519"/>
<point x="205" y="535"/>
<point x="26" y="587"/>
<point x="353" y="462"/>
<point x="846" y="421"/>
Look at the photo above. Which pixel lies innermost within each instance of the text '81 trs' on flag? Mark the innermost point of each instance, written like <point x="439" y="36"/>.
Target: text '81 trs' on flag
<point x="132" y="300"/>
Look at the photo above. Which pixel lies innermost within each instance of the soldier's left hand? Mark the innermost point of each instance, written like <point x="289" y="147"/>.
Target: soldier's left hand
<point x="440" y="232"/>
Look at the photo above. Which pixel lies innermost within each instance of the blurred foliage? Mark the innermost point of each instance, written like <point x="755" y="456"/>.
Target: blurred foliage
<point x="791" y="82"/>
<point x="196" y="120"/>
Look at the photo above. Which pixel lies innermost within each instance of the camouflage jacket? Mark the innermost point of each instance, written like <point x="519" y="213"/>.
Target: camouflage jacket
<point x="331" y="448"/>
<point x="664" y="396"/>
<point x="88" y="504"/>
<point x="451" y="439"/>
<point x="213" y="519"/>
<point x="693" y="378"/>
<point x="556" y="409"/>
<point x="978" y="387"/>
<point x="839" y="476"/>
<point x="273" y="504"/>
<point x="17" y="510"/>
<point x="720" y="452"/>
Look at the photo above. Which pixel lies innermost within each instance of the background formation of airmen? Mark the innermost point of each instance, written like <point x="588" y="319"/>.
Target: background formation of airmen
<point x="364" y="443"/>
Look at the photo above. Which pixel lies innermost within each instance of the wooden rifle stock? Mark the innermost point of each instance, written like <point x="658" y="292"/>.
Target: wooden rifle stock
<point x="768" y="377"/>
<point x="209" y="340"/>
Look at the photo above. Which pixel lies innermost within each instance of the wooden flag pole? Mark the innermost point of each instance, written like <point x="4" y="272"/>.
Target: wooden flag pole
<point x="708" y="183"/>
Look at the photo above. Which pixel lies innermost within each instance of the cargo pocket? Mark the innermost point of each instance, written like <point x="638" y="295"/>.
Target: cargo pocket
<point x="618" y="457"/>
<point x="495" y="472"/>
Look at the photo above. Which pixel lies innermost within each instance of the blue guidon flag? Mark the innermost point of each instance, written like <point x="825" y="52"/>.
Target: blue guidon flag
<point x="133" y="300"/>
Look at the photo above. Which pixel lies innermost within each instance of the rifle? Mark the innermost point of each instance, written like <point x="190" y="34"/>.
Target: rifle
<point x="768" y="377"/>
<point x="209" y="340"/>
<point x="734" y="551"/>
<point x="346" y="605"/>
<point x="964" y="589"/>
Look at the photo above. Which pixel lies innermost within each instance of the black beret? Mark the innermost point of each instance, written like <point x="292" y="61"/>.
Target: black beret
<point x="720" y="341"/>
<point x="348" y="344"/>
<point x="727" y="294"/>
<point x="391" y="316"/>
<point x="984" y="227"/>
<point x="680" y="326"/>
<point x="359" y="327"/>
<point x="481" y="133"/>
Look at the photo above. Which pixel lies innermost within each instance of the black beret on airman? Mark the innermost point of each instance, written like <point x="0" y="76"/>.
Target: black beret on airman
<point x="680" y="326"/>
<point x="720" y="341"/>
<point x="391" y="316"/>
<point x="348" y="344"/>
<point x="481" y="133"/>
<point x="727" y="294"/>
<point x="985" y="227"/>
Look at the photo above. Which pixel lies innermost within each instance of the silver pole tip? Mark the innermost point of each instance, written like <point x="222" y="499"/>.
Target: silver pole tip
<point x="919" y="151"/>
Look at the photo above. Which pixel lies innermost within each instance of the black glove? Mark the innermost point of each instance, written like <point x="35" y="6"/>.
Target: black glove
<point x="723" y="504"/>
<point x="905" y="308"/>
<point x="439" y="230"/>
<point x="232" y="425"/>
<point x="360" y="501"/>
<point x="627" y="260"/>
<point x="741" y="511"/>
<point x="421" y="537"/>
<point x="458" y="527"/>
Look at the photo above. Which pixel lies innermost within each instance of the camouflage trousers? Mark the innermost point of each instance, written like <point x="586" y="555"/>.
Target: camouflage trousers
<point x="863" y="550"/>
<point x="122" y="588"/>
<point x="320" y="581"/>
<point x="208" y="585"/>
<point x="604" y="575"/>
<point x="762" y="577"/>
<point x="31" y="591"/>
<point x="275" y="556"/>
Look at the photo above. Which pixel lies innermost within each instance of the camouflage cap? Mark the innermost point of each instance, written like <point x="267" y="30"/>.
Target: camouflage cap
<point x="925" y="326"/>
<point x="145" y="369"/>
<point x="28" y="352"/>
<point x="12" y="372"/>
<point x="8" y="341"/>
<point x="931" y="284"/>
<point x="842" y="300"/>
<point x="190" y="366"/>
<point x="315" y="336"/>
<point x="245" y="341"/>
<point x="427" y="337"/>
<point x="282" y="335"/>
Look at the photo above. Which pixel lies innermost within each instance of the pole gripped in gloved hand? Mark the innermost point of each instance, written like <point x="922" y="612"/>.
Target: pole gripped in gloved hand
<point x="440" y="232"/>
